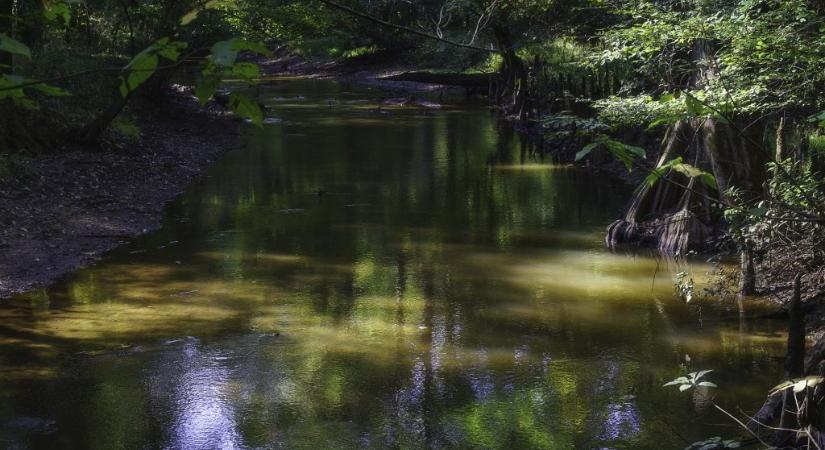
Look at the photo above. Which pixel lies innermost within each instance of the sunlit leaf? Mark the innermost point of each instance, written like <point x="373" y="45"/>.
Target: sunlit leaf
<point x="192" y="15"/>
<point x="814" y="380"/>
<point x="189" y="17"/>
<point x="702" y="373"/>
<point x="680" y="380"/>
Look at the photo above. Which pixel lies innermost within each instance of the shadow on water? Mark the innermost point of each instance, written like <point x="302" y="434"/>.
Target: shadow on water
<point x="353" y="279"/>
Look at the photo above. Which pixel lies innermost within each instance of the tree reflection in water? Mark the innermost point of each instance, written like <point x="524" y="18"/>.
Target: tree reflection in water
<point x="450" y="290"/>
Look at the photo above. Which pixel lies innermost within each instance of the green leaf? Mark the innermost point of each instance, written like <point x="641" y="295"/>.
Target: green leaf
<point x="781" y="387"/>
<point x="58" y="9"/>
<point x="707" y="384"/>
<point x="15" y="47"/>
<point x="206" y="88"/>
<point x="677" y="165"/>
<point x="657" y="122"/>
<point x="171" y="50"/>
<point x="140" y="69"/>
<point x="694" y="172"/>
<point x="8" y="82"/>
<point x="814" y="380"/>
<point x="242" y="105"/>
<point x="52" y="91"/>
<point x="586" y="150"/>
<point x="252" y="46"/>
<point x="694" y="106"/>
<point x="817" y="117"/>
<point x="680" y="380"/>
<point x="246" y="70"/>
<point x="192" y="15"/>
<point x="638" y="151"/>
<point x="189" y="17"/>
<point x="619" y="152"/>
<point x="145" y="63"/>
<point x="25" y="103"/>
<point x="684" y="387"/>
<point x="224" y="53"/>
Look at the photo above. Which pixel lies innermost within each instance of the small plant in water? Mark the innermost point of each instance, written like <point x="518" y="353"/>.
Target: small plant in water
<point x="691" y="380"/>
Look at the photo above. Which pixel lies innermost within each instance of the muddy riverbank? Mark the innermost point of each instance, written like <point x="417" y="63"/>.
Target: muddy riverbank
<point x="62" y="211"/>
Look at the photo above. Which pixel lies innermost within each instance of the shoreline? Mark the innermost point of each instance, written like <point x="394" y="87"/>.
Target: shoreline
<point x="69" y="207"/>
<point x="82" y="203"/>
<point x="72" y="206"/>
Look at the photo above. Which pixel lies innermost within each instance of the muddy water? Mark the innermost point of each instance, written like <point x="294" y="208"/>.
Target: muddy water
<point x="364" y="277"/>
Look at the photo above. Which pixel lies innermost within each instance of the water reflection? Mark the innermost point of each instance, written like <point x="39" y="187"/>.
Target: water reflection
<point x="192" y="384"/>
<point x="353" y="280"/>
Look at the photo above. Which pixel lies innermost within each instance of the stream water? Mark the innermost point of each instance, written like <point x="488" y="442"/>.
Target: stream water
<point x="360" y="277"/>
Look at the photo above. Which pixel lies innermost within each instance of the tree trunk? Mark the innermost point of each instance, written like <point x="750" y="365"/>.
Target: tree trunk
<point x="91" y="133"/>
<point x="794" y="366"/>
<point x="780" y="140"/>
<point x="747" y="277"/>
<point x="513" y="76"/>
<point x="676" y="216"/>
<point x="659" y="215"/>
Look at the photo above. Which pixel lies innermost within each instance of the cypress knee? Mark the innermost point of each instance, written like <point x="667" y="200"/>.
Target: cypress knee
<point x="747" y="278"/>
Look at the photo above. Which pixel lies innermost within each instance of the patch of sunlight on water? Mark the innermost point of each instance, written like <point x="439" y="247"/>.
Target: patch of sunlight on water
<point x="350" y="281"/>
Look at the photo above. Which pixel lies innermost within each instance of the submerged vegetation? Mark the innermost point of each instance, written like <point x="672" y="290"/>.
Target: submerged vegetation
<point x="713" y="108"/>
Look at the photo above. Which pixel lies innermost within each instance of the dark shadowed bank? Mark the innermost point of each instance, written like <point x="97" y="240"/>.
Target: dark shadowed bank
<point x="63" y="210"/>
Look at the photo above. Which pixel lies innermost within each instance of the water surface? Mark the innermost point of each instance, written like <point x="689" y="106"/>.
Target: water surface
<point x="364" y="277"/>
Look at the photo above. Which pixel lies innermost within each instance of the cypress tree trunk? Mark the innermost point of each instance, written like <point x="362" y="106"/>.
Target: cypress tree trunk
<point x="794" y="367"/>
<point x="677" y="216"/>
<point x="514" y="75"/>
<point x="747" y="278"/>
